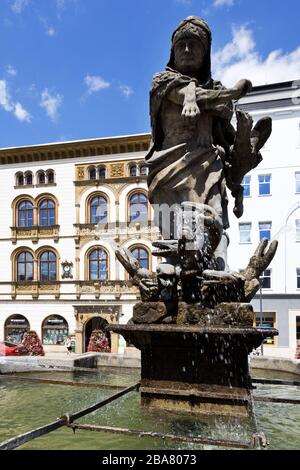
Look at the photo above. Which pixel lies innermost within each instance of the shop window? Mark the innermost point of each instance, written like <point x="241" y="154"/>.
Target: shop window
<point x="298" y="329"/>
<point x="98" y="265"/>
<point x="55" y="330"/>
<point x="15" y="328"/>
<point x="266" y="320"/>
<point x="138" y="207"/>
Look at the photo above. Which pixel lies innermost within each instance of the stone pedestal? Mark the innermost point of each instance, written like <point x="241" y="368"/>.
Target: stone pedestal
<point x="193" y="368"/>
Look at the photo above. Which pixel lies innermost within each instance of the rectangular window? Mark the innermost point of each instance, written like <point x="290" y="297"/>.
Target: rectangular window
<point x="298" y="278"/>
<point x="266" y="279"/>
<point x="245" y="233"/>
<point x="298" y="329"/>
<point x="266" y="320"/>
<point x="246" y="185"/>
<point x="265" y="230"/>
<point x="298" y="230"/>
<point x="297" y="176"/>
<point x="264" y="185"/>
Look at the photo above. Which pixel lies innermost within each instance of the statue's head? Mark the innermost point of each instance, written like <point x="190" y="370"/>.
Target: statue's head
<point x="191" y="49"/>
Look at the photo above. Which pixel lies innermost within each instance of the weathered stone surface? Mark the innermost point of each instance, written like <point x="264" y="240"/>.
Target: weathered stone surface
<point x="149" y="312"/>
<point x="226" y="314"/>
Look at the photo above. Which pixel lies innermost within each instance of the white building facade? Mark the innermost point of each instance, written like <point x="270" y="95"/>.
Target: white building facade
<point x="66" y="206"/>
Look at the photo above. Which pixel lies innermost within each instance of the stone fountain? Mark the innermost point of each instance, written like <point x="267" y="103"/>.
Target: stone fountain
<point x="194" y="324"/>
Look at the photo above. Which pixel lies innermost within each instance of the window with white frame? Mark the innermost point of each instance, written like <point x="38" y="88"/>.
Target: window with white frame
<point x="265" y="230"/>
<point x="298" y="230"/>
<point x="245" y="233"/>
<point x="266" y="279"/>
<point x="298" y="278"/>
<point x="246" y="183"/>
<point x="264" y="185"/>
<point x="297" y="176"/>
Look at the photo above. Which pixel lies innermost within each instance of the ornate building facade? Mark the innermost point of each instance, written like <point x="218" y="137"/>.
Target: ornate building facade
<point x="65" y="208"/>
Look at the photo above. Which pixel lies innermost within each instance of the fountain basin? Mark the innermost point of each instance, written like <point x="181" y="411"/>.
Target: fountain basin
<point x="202" y="370"/>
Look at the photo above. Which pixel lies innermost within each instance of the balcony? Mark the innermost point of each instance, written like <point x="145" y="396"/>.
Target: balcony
<point x="118" y="231"/>
<point x="35" y="233"/>
<point x="35" y="288"/>
<point x="98" y="288"/>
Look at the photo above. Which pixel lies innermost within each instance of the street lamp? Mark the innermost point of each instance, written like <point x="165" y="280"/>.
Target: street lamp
<point x="261" y="311"/>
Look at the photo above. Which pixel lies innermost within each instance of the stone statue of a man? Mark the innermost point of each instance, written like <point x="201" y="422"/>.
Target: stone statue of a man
<point x="195" y="151"/>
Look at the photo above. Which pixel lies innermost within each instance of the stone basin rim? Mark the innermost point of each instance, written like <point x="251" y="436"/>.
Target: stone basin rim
<point x="212" y="330"/>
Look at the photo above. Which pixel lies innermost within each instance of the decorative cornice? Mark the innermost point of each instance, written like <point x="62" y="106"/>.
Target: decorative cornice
<point x="76" y="149"/>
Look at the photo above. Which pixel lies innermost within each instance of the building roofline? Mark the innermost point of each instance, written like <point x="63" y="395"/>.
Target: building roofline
<point x="76" y="149"/>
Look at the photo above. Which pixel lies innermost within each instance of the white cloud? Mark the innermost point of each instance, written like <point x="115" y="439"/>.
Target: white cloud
<point x="222" y="3"/>
<point x="49" y="30"/>
<point x="8" y="105"/>
<point x="51" y="103"/>
<point x="18" y="6"/>
<point x="10" y="70"/>
<point x="95" y="83"/>
<point x="126" y="90"/>
<point x="21" y="113"/>
<point x="240" y="59"/>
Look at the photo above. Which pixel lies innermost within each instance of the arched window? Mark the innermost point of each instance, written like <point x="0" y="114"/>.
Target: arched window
<point x="98" y="210"/>
<point x="47" y="265"/>
<point x="142" y="255"/>
<point x="20" y="179"/>
<point x="102" y="173"/>
<point x="98" y="265"/>
<point x="46" y="212"/>
<point x="41" y="177"/>
<point x="92" y="174"/>
<point x="138" y="207"/>
<point x="133" y="170"/>
<point x="55" y="330"/>
<point x="25" y="214"/>
<point x="50" y="176"/>
<point x="25" y="266"/>
<point x="28" y="178"/>
<point x="143" y="170"/>
<point x="15" y="327"/>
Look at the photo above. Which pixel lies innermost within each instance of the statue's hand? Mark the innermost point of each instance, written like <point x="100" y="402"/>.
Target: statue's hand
<point x="190" y="110"/>
<point x="242" y="88"/>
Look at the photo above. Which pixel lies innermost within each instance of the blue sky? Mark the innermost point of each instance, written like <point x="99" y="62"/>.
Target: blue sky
<point x="79" y="69"/>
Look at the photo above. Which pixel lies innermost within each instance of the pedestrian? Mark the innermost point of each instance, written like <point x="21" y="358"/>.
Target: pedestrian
<point x="68" y="344"/>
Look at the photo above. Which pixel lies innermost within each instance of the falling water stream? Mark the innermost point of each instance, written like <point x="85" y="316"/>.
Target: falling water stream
<point x="25" y="405"/>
